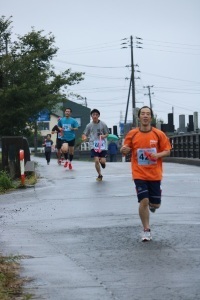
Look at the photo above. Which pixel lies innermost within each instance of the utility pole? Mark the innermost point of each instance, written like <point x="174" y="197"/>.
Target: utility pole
<point x="85" y="101"/>
<point x="132" y="80"/>
<point x="133" y="84"/>
<point x="129" y="91"/>
<point x="149" y="94"/>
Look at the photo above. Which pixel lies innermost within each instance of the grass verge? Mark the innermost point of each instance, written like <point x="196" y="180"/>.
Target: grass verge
<point x="11" y="284"/>
<point x="7" y="184"/>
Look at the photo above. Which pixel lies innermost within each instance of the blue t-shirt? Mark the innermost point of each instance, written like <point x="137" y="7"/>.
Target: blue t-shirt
<point x="67" y="124"/>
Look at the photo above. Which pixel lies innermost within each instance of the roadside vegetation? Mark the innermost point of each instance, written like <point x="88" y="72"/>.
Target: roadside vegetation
<point x="11" y="285"/>
<point x="7" y="184"/>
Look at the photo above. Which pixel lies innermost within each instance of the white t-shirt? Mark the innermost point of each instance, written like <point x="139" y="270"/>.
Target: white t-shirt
<point x="93" y="131"/>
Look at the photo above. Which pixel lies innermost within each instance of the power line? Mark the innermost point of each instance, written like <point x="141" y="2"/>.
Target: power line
<point x="171" y="78"/>
<point x="188" y="53"/>
<point x="95" y="46"/>
<point x="173" y="43"/>
<point x="88" y="66"/>
<point x="162" y="46"/>
<point x="172" y="104"/>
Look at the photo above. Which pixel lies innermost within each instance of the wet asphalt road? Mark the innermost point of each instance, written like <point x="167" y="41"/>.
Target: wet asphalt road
<point x="80" y="239"/>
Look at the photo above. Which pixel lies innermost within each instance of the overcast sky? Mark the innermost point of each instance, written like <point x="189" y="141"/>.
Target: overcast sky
<point x="89" y="34"/>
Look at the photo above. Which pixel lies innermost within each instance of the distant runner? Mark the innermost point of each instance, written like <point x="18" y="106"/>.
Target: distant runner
<point x="58" y="141"/>
<point x="47" y="144"/>
<point x="68" y="126"/>
<point x="97" y="132"/>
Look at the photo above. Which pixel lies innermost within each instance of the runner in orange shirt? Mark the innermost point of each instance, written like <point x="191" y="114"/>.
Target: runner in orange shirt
<point x="148" y="146"/>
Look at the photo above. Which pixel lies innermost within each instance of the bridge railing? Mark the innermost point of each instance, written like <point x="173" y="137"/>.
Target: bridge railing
<point x="185" y="145"/>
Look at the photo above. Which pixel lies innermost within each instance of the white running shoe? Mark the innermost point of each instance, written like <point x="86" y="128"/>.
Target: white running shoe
<point x="146" y="236"/>
<point x="99" y="178"/>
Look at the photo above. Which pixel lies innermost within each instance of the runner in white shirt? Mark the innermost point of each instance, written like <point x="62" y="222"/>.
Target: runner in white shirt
<point x="96" y="132"/>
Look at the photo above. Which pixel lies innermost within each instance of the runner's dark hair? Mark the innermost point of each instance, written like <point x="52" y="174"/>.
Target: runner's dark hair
<point x="95" y="111"/>
<point x="145" y="107"/>
<point x="68" y="108"/>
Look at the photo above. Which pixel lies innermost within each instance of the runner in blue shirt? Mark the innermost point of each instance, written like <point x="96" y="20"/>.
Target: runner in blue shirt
<point x="68" y="126"/>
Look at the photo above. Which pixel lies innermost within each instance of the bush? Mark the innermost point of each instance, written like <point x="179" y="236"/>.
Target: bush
<point x="5" y="181"/>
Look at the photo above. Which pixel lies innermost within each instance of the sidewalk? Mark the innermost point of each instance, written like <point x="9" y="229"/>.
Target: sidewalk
<point x="80" y="239"/>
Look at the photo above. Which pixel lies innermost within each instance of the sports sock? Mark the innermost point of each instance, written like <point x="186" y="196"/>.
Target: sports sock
<point x="66" y="155"/>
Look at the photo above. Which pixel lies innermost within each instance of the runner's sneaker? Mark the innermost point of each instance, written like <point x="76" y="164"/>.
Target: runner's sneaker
<point x="70" y="166"/>
<point x="103" y="165"/>
<point x="66" y="164"/>
<point x="152" y="209"/>
<point x="59" y="161"/>
<point x="99" y="178"/>
<point x="146" y="236"/>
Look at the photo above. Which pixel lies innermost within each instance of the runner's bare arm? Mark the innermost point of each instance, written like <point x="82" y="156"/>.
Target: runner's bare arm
<point x="104" y="136"/>
<point x="125" y="149"/>
<point x="84" y="137"/>
<point x="160" y="154"/>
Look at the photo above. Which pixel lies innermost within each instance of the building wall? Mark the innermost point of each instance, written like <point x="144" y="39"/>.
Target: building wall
<point x="195" y="121"/>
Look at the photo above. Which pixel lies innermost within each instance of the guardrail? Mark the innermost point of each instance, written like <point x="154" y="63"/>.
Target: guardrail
<point x="185" y="145"/>
<point x="39" y="149"/>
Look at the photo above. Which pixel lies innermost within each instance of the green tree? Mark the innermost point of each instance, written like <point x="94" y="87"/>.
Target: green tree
<point x="5" y="33"/>
<point x="29" y="83"/>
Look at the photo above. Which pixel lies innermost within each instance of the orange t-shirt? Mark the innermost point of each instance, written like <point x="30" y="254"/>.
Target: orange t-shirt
<point x="142" y="144"/>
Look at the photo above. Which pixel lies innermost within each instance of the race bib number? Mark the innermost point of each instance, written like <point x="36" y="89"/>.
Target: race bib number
<point x="144" y="156"/>
<point x="99" y="144"/>
<point x="48" y="144"/>
<point x="66" y="127"/>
